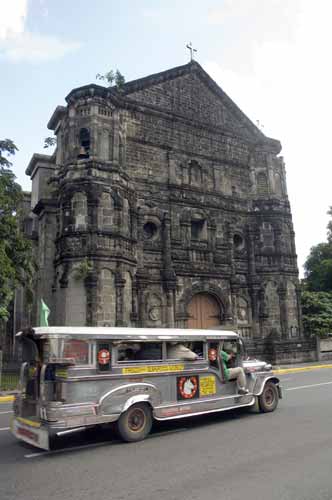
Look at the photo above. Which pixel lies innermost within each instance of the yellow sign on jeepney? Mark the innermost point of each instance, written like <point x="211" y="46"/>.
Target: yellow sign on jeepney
<point x="134" y="370"/>
<point x="207" y="386"/>
<point x="61" y="372"/>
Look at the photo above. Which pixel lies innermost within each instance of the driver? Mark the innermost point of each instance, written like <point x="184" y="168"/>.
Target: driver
<point x="227" y="354"/>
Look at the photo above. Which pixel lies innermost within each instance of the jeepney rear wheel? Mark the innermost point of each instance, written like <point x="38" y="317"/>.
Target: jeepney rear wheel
<point x="135" y="423"/>
<point x="268" y="400"/>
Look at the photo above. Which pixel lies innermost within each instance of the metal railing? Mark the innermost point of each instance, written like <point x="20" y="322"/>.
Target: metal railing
<point x="9" y="372"/>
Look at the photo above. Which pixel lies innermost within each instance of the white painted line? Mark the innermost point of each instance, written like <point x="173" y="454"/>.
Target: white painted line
<point x="5" y="412"/>
<point x="4" y="428"/>
<point x="307" y="386"/>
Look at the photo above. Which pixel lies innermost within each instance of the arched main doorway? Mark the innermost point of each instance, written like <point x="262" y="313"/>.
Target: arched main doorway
<point x="203" y="311"/>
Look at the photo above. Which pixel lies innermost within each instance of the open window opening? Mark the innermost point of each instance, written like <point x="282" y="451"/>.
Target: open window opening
<point x="140" y="351"/>
<point x="197" y="230"/>
<point x="84" y="139"/>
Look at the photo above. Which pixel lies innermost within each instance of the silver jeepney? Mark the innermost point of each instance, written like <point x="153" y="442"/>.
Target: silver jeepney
<point x="78" y="377"/>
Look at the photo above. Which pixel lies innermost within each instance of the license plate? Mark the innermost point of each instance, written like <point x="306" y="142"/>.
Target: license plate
<point x="27" y="433"/>
<point x="32" y="435"/>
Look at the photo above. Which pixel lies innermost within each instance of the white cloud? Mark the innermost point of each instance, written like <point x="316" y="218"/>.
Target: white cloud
<point x="19" y="45"/>
<point x="287" y="88"/>
<point x="13" y="14"/>
<point x="32" y="47"/>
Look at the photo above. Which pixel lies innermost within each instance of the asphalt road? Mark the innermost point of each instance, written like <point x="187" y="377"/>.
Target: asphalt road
<point x="285" y="455"/>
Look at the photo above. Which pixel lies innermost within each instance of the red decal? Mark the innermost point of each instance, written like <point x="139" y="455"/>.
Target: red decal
<point x="104" y="357"/>
<point x="187" y="387"/>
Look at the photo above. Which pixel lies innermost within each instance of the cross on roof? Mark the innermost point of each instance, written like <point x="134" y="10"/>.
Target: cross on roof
<point x="192" y="50"/>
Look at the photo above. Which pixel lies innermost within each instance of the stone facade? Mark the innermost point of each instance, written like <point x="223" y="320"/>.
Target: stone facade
<point x="164" y="205"/>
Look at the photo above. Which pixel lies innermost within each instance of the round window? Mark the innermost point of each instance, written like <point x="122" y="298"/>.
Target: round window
<point x="238" y="242"/>
<point x="149" y="230"/>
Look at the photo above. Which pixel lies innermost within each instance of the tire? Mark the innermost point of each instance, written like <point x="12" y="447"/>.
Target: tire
<point x="268" y="400"/>
<point x="135" y="423"/>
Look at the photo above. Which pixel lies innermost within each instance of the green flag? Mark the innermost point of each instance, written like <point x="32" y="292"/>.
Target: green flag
<point x="44" y="314"/>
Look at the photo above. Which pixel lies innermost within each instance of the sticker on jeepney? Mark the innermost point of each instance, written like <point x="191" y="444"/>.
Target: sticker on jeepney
<point x="187" y="387"/>
<point x="104" y="357"/>
<point x="207" y="385"/>
<point x="61" y="372"/>
<point x="133" y="370"/>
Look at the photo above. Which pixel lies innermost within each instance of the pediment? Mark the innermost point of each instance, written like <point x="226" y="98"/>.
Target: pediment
<point x="188" y="91"/>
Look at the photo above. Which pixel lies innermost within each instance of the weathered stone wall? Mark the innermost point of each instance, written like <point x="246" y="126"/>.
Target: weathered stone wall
<point x="167" y="190"/>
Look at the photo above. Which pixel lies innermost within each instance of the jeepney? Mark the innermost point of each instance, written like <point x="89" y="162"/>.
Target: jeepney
<point x="73" y="378"/>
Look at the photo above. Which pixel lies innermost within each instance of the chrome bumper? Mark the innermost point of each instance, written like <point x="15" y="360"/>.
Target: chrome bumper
<point x="31" y="432"/>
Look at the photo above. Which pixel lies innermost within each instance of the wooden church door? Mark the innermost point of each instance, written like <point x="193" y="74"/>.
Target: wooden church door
<point x="203" y="311"/>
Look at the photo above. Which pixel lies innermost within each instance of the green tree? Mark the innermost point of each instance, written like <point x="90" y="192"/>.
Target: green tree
<point x="49" y="142"/>
<point x="317" y="313"/>
<point x="112" y="77"/>
<point x="329" y="226"/>
<point x="318" y="268"/>
<point x="15" y="249"/>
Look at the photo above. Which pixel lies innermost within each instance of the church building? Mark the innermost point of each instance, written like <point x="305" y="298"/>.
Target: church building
<point x="163" y="205"/>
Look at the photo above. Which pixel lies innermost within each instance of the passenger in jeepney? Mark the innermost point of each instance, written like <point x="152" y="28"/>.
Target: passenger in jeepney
<point x="228" y="353"/>
<point x="178" y="350"/>
<point x="126" y="351"/>
<point x="149" y="351"/>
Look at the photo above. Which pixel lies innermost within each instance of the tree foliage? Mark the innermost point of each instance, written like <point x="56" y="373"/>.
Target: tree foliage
<point x="49" y="142"/>
<point x="317" y="297"/>
<point x="318" y="268"/>
<point x="112" y="77"/>
<point x="329" y="226"/>
<point x="15" y="250"/>
<point x="317" y="313"/>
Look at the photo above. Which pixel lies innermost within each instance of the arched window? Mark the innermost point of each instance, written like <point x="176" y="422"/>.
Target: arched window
<point x="278" y="185"/>
<point x="84" y="139"/>
<point x="79" y="210"/>
<point x="262" y="187"/>
<point x="195" y="173"/>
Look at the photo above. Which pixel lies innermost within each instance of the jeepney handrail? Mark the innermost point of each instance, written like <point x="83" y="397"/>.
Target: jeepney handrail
<point x="127" y="333"/>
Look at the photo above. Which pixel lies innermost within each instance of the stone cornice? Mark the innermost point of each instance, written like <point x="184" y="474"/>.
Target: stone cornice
<point x="45" y="161"/>
<point x="58" y="114"/>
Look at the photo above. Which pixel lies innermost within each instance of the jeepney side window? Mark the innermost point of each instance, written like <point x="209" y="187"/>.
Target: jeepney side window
<point x="213" y="354"/>
<point x="197" y="348"/>
<point x="141" y="351"/>
<point x="127" y="352"/>
<point x="80" y="351"/>
<point x="175" y="350"/>
<point x="149" y="351"/>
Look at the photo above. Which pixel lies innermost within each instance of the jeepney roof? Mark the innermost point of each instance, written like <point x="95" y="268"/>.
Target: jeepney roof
<point x="128" y="334"/>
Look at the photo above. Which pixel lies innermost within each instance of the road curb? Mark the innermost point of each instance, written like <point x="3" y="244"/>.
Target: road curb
<point x="281" y="371"/>
<point x="6" y="399"/>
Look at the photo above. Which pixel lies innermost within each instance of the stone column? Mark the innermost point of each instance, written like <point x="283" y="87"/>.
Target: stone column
<point x="211" y="239"/>
<point x="168" y="275"/>
<point x="185" y="233"/>
<point x="299" y="310"/>
<point x="119" y="288"/>
<point x="263" y="312"/>
<point x="253" y="290"/>
<point x="171" y="169"/>
<point x="234" y="299"/>
<point x="282" y="292"/>
<point x="91" y="283"/>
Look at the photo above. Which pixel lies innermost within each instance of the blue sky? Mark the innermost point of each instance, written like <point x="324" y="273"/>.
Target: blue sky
<point x="270" y="56"/>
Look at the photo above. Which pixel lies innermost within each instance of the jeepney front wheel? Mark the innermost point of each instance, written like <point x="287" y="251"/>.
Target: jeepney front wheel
<point x="268" y="400"/>
<point x="135" y="423"/>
